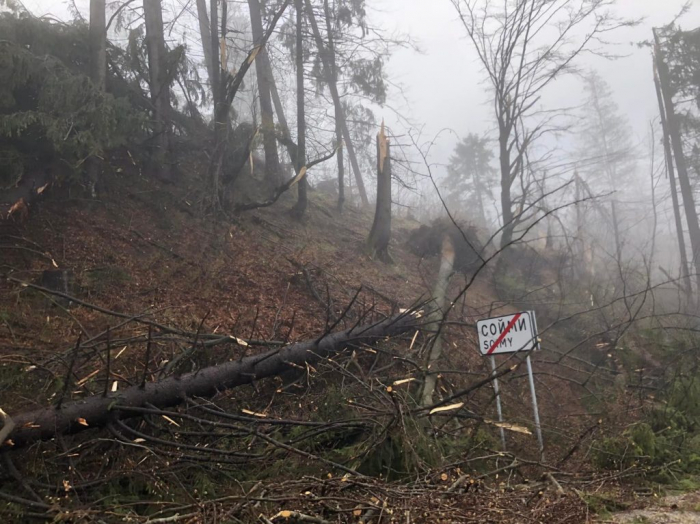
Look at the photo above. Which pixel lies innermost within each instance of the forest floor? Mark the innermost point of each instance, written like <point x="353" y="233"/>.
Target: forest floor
<point x="144" y="249"/>
<point x="672" y="509"/>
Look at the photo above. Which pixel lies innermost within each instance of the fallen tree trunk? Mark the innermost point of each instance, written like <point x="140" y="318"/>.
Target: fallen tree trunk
<point x="97" y="411"/>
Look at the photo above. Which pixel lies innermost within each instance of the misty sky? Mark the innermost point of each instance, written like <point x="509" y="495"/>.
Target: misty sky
<point x="442" y="86"/>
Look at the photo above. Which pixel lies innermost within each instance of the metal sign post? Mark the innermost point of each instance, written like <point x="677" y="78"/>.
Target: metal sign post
<point x="498" y="401"/>
<point x="538" y="428"/>
<point x="511" y="334"/>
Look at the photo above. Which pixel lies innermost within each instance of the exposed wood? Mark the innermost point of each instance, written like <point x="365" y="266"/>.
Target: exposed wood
<point x="447" y="261"/>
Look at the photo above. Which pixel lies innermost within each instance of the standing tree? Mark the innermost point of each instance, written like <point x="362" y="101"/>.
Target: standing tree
<point x="524" y="46"/>
<point x="606" y="138"/>
<point x="300" y="157"/>
<point x="205" y="34"/>
<point x="470" y="176"/>
<point x="380" y="234"/>
<point x="361" y="72"/>
<point x="159" y="84"/>
<point x="98" y="44"/>
<point x="98" y="70"/>
<point x="272" y="163"/>
<point x="673" y="129"/>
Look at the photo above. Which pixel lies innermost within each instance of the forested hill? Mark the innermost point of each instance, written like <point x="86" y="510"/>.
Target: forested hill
<point x="231" y="292"/>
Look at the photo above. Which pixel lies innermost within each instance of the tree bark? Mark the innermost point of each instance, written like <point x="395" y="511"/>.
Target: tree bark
<point x="380" y="234"/>
<point x="205" y="33"/>
<point x="677" y="144"/>
<point x="668" y="154"/>
<point x="98" y="73"/>
<point x="302" y="201"/>
<point x="272" y="162"/>
<point x="159" y="84"/>
<point x="340" y="114"/>
<point x="98" y="411"/>
<point x="98" y="44"/>
<point x="506" y="182"/>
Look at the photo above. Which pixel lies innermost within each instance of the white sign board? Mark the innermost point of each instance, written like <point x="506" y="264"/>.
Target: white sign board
<point x="508" y="334"/>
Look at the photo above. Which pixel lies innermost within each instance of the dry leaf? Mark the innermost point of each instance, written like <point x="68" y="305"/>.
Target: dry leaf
<point x="240" y="342"/>
<point x="139" y="440"/>
<point x="357" y="512"/>
<point x="42" y="188"/>
<point x="451" y="407"/>
<point x="82" y="421"/>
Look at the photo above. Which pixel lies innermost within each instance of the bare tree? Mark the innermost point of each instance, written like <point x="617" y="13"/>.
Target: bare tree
<point x="524" y="46"/>
<point x="272" y="161"/>
<point x="300" y="160"/>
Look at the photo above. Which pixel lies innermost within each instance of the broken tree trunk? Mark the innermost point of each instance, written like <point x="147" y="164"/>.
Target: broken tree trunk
<point x="440" y="297"/>
<point x="97" y="411"/>
<point x="380" y="234"/>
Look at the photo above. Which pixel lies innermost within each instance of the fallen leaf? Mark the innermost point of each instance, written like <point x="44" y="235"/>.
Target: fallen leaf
<point x="82" y="421"/>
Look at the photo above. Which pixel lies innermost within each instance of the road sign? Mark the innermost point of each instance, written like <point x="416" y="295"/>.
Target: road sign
<point x="508" y="334"/>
